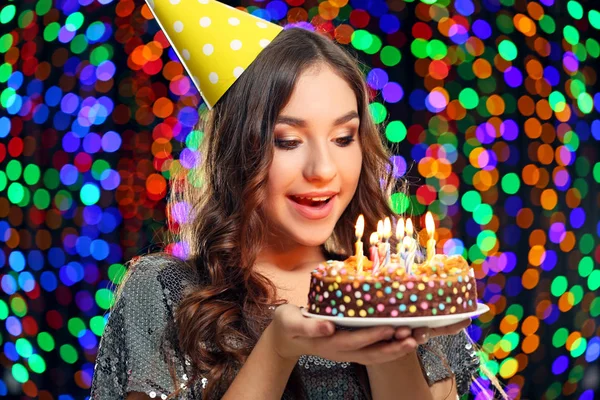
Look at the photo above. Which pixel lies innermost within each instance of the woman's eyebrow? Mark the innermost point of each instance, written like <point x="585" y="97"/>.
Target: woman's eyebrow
<point x="300" y="123"/>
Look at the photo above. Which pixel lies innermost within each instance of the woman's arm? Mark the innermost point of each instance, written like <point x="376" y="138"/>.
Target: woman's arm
<point x="137" y="396"/>
<point x="264" y="374"/>
<point x="445" y="389"/>
<point x="399" y="379"/>
<point x="403" y="379"/>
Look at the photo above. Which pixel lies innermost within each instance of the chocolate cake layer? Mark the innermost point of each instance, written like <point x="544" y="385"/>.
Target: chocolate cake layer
<point x="384" y="297"/>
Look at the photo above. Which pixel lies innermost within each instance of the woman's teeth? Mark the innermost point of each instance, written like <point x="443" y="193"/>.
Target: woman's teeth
<point x="314" y="198"/>
<point x="310" y="201"/>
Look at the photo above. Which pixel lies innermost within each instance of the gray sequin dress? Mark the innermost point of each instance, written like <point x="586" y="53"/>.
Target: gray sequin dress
<point x="139" y="344"/>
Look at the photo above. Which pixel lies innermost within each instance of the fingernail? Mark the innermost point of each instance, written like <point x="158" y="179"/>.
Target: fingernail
<point x="402" y="334"/>
<point x="325" y="329"/>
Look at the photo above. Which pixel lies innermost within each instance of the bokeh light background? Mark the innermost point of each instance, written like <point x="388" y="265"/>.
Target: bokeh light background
<point x="496" y="101"/>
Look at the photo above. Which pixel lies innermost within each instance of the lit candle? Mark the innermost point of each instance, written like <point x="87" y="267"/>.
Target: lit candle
<point x="406" y="245"/>
<point x="380" y="245"/>
<point x="387" y="233"/>
<point x="399" y="235"/>
<point x="411" y="246"/>
<point x="409" y="228"/>
<point x="430" y="226"/>
<point x="374" y="251"/>
<point x="360" y="227"/>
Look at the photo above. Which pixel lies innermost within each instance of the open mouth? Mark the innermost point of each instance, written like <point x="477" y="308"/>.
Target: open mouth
<point x="311" y="201"/>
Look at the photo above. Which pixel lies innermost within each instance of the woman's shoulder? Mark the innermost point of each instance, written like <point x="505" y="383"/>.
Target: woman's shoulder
<point x="139" y="342"/>
<point x="158" y="275"/>
<point x="160" y="263"/>
<point x="160" y="266"/>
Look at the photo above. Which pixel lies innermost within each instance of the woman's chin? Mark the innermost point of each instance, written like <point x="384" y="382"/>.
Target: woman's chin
<point x="312" y="242"/>
<point x="312" y="239"/>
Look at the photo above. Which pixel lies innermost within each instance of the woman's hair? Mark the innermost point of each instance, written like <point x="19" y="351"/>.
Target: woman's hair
<point x="224" y="233"/>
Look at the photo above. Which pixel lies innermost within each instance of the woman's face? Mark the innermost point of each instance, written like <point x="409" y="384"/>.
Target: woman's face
<point x="317" y="159"/>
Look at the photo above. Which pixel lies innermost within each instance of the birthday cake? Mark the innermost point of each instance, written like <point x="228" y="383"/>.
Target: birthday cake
<point x="394" y="287"/>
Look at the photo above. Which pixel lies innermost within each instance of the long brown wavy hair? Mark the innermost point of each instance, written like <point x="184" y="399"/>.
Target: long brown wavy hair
<point x="229" y="308"/>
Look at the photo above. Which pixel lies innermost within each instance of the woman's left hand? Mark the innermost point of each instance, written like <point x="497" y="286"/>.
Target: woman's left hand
<point x="422" y="335"/>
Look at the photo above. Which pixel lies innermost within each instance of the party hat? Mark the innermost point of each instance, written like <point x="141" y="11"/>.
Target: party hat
<point x="214" y="42"/>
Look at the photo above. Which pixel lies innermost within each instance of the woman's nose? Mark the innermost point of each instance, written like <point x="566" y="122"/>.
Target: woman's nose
<point x="320" y="165"/>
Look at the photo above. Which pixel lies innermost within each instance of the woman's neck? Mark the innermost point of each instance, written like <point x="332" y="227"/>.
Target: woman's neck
<point x="290" y="258"/>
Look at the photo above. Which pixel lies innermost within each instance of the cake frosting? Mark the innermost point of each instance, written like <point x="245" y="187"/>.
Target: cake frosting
<point x="440" y="286"/>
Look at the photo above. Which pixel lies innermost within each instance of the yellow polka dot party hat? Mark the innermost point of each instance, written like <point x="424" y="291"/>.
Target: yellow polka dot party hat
<point x="214" y="42"/>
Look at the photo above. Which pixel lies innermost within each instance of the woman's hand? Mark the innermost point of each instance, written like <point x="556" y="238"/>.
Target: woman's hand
<point x="422" y="335"/>
<point x="294" y="335"/>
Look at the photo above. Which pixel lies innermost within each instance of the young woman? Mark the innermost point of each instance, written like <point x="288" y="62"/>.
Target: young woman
<point x="291" y="157"/>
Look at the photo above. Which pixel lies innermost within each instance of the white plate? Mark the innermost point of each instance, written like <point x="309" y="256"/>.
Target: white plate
<point x="435" y="321"/>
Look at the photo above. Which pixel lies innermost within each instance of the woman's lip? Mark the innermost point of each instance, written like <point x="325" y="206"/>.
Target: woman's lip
<point x="313" y="213"/>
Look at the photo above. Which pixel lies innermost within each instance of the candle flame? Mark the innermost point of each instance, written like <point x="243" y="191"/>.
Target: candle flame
<point x="400" y="229"/>
<point x="429" y="223"/>
<point x="409" y="227"/>
<point x="380" y="229"/>
<point x="360" y="226"/>
<point x="374" y="238"/>
<point x="387" y="228"/>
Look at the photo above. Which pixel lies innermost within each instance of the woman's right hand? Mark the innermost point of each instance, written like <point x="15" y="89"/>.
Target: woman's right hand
<point x="293" y="335"/>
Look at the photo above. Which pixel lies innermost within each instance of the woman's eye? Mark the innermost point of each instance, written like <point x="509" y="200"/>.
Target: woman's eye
<point x="287" y="144"/>
<point x="345" y="141"/>
<point x="291" y="144"/>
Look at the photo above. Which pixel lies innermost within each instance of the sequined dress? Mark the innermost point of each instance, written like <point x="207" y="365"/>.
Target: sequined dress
<point x="140" y="342"/>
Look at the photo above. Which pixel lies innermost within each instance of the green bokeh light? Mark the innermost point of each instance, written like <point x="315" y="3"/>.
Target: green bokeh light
<point x="378" y="112"/>
<point x="3" y="310"/>
<point x="586" y="266"/>
<point x="90" y="194"/>
<point x="436" y="49"/>
<point x="483" y="213"/>
<point x="24" y="348"/>
<point x="76" y="327"/>
<point x="468" y="98"/>
<point x="68" y="353"/>
<point x="575" y="9"/>
<point x="593" y="281"/>
<point x="399" y="203"/>
<point x="559" y="286"/>
<point x="547" y="24"/>
<point x="571" y="34"/>
<point x="97" y="325"/>
<point x="559" y="338"/>
<point x="104" y="298"/>
<point x="37" y="364"/>
<point x="51" y="31"/>
<point x="7" y="14"/>
<point x="20" y="373"/>
<point x="42" y="7"/>
<point x="594" y="17"/>
<point x="395" y="131"/>
<point x="508" y="50"/>
<point x="390" y="56"/>
<point x="361" y="39"/>
<point x="46" y="341"/>
<point x="511" y="183"/>
<point x="375" y="45"/>
<point x="74" y="21"/>
<point x="419" y="48"/>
